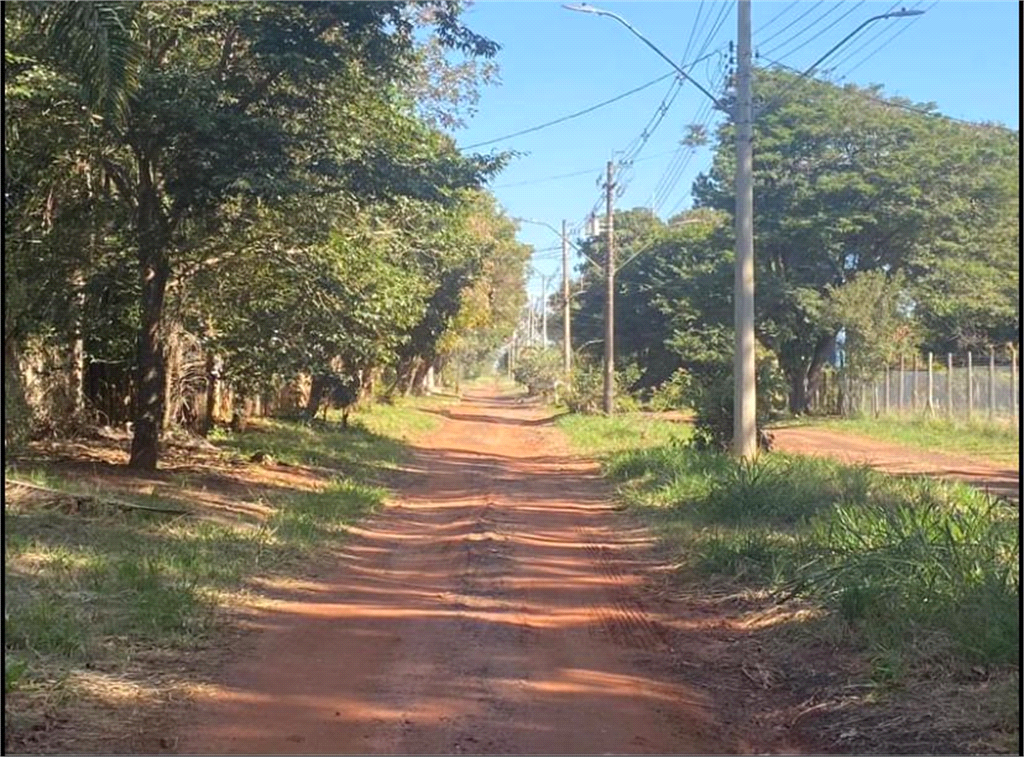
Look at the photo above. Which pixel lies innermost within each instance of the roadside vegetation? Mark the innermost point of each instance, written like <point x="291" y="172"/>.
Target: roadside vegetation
<point x="998" y="442"/>
<point x="920" y="577"/>
<point x="106" y="604"/>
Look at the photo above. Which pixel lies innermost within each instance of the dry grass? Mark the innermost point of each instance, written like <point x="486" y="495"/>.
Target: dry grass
<point x="114" y="617"/>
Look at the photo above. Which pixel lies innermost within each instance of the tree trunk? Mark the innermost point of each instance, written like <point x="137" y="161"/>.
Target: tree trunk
<point x="822" y="350"/>
<point x="403" y="375"/>
<point x="154" y="270"/>
<point x="76" y="383"/>
<point x="797" y="391"/>
<point x="419" y="381"/>
<point x="316" y="394"/>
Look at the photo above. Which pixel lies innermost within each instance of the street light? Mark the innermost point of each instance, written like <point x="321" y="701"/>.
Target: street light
<point x="901" y="13"/>
<point x="584" y="8"/>
<point x="566" y="328"/>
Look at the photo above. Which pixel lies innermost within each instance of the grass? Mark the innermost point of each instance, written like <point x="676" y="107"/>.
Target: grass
<point x="902" y="561"/>
<point x="92" y="589"/>
<point x="601" y="436"/>
<point x="997" y="442"/>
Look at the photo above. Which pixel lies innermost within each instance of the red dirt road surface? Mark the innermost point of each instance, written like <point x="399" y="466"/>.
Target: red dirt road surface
<point x="495" y="607"/>
<point x="899" y="460"/>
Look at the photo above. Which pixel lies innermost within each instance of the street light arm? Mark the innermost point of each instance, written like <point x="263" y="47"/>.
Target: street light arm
<point x="902" y="13"/>
<point x="548" y="225"/>
<point x="584" y="8"/>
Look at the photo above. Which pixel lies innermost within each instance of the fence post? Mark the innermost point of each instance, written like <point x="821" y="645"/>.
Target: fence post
<point x="991" y="383"/>
<point x="1013" y="379"/>
<point x="886" y="388"/>
<point x="903" y="383"/>
<point x="949" y="385"/>
<point x="970" y="385"/>
<point x="931" y="386"/>
<point x="913" y="384"/>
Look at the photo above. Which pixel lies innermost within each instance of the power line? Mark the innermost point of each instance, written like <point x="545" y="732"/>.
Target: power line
<point x="800" y="33"/>
<point x="774" y="18"/>
<point x="894" y="104"/>
<point x="571" y="116"/>
<point x="868" y="40"/>
<point x="583" y="172"/>
<point x="791" y="23"/>
<point x="808" y="41"/>
<point x="897" y="33"/>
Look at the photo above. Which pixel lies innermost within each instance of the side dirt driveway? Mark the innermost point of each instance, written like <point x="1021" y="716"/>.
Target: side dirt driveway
<point x="500" y="605"/>
<point x="898" y="460"/>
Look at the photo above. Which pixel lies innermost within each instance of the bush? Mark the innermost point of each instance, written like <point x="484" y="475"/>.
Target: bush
<point x="586" y="389"/>
<point x="709" y="391"/>
<point x="539" y="370"/>
<point x="672" y="393"/>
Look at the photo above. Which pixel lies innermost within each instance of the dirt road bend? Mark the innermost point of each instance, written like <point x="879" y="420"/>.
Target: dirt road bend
<point x="493" y="608"/>
<point x="897" y="460"/>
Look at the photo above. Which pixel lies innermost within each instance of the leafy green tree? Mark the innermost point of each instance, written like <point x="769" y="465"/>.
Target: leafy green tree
<point x="846" y="182"/>
<point x="224" y="116"/>
<point x="874" y="311"/>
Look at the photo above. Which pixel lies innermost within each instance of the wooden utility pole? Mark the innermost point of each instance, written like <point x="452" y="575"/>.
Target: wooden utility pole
<point x="609" y="308"/>
<point x="566" y="333"/>
<point x="744" y="366"/>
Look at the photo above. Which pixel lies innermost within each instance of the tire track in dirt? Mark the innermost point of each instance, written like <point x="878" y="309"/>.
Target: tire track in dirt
<point x="494" y="608"/>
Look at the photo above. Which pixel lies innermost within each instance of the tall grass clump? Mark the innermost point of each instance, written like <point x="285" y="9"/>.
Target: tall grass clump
<point x="899" y="559"/>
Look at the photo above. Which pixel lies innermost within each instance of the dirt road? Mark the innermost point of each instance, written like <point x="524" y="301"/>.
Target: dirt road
<point x="896" y="459"/>
<point x="494" y="608"/>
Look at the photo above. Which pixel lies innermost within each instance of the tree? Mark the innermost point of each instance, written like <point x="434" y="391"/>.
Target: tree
<point x="228" y="118"/>
<point x="847" y="182"/>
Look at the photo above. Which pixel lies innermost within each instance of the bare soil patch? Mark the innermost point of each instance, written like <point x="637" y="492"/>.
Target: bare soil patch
<point x="898" y="460"/>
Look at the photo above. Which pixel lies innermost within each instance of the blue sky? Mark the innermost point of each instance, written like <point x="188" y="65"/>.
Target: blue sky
<point x="961" y="55"/>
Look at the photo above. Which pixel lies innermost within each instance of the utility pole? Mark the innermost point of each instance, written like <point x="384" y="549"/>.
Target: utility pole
<point x="609" y="312"/>
<point x="566" y="340"/>
<point x="529" y="323"/>
<point x="744" y="367"/>
<point x="544" y="281"/>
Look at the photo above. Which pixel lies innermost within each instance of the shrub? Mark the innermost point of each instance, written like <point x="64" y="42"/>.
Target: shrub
<point x="586" y="389"/>
<point x="710" y="393"/>
<point x="539" y="370"/>
<point x="672" y="393"/>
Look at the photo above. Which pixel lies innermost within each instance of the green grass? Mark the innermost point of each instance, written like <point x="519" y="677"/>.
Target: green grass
<point x="902" y="561"/>
<point x="998" y="442"/>
<point x="598" y="435"/>
<point x="83" y="587"/>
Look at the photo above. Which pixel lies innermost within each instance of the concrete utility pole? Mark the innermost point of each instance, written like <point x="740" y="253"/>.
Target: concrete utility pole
<point x="529" y="323"/>
<point x="745" y="367"/>
<point x="545" y="280"/>
<point x="609" y="312"/>
<point x="566" y="334"/>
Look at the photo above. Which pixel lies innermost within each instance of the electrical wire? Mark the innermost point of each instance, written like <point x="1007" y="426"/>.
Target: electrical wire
<point x="791" y="23"/>
<point x="850" y="52"/>
<point x="571" y="116"/>
<point x="886" y="42"/>
<point x="584" y="172"/>
<point x="774" y="18"/>
<point x="853" y="7"/>
<point x="815" y="22"/>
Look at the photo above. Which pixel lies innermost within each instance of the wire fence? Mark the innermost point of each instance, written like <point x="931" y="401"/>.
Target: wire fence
<point x="966" y="387"/>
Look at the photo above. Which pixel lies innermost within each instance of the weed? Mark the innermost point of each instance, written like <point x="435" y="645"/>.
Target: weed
<point x="896" y="557"/>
